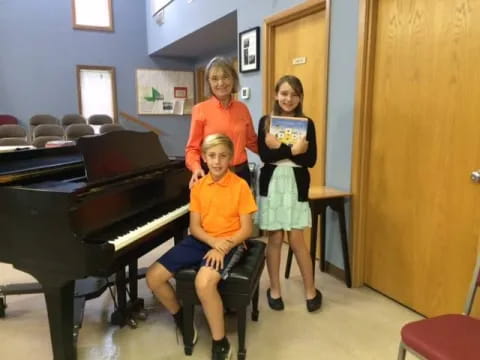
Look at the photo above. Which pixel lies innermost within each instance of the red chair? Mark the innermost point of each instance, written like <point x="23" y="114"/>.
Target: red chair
<point x="8" y="119"/>
<point x="445" y="337"/>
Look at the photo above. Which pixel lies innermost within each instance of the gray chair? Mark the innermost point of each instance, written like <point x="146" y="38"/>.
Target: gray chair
<point x="10" y="141"/>
<point x="100" y="119"/>
<point x="75" y="131"/>
<point x="46" y="132"/>
<point x="106" y="128"/>
<point x="41" y="119"/>
<point x="39" y="142"/>
<point x="70" y="119"/>
<point x="12" y="131"/>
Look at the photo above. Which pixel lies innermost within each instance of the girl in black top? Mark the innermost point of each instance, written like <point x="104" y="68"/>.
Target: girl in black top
<point x="284" y="183"/>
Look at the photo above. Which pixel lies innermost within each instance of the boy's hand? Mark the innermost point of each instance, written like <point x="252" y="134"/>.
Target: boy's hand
<point x="300" y="146"/>
<point x="196" y="175"/>
<point x="214" y="259"/>
<point x="272" y="142"/>
<point x="223" y="245"/>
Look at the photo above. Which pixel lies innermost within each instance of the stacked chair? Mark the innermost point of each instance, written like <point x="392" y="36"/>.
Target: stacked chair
<point x="106" y="128"/>
<point x="8" y="119"/>
<point x="44" y="133"/>
<point x="70" y="119"/>
<point x="13" y="134"/>
<point x="100" y="119"/>
<point x="74" y="131"/>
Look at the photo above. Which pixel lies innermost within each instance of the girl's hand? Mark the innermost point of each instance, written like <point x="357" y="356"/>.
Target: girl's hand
<point x="214" y="259"/>
<point x="196" y="175"/>
<point x="300" y="147"/>
<point x="272" y="142"/>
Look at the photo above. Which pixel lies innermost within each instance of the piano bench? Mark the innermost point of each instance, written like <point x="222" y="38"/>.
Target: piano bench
<point x="236" y="291"/>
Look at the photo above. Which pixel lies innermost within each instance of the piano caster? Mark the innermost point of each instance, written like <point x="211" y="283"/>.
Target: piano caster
<point x="132" y="323"/>
<point x="76" y="330"/>
<point x="141" y="315"/>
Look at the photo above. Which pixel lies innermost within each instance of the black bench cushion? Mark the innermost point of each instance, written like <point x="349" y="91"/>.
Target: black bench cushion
<point x="244" y="274"/>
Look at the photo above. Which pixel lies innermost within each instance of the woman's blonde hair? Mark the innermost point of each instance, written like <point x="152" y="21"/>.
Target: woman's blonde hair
<point x="219" y="62"/>
<point x="217" y="139"/>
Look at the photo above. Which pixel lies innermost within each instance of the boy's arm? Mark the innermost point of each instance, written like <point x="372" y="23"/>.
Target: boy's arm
<point x="197" y="231"/>
<point x="245" y="231"/>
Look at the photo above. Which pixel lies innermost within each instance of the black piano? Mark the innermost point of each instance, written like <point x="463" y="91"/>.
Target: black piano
<point x="93" y="209"/>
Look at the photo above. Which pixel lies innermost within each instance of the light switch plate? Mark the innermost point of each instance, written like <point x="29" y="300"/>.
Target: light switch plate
<point x="245" y="93"/>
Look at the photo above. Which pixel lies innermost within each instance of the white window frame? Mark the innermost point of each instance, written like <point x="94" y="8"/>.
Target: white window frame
<point x="82" y="91"/>
<point x="92" y="15"/>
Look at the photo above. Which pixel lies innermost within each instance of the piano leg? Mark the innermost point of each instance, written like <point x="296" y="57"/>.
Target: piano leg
<point x="136" y="305"/>
<point x="59" y="301"/>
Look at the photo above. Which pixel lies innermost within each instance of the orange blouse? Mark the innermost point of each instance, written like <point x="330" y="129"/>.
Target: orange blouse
<point x="210" y="117"/>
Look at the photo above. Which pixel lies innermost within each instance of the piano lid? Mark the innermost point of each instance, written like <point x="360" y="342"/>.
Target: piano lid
<point x="120" y="153"/>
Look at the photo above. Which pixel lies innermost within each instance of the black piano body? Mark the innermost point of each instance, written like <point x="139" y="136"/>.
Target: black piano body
<point x="88" y="210"/>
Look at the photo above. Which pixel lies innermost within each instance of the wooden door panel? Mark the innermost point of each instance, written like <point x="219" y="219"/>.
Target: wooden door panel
<point x="422" y="211"/>
<point x="305" y="38"/>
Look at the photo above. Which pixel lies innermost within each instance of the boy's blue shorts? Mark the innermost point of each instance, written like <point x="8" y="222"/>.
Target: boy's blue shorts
<point x="190" y="252"/>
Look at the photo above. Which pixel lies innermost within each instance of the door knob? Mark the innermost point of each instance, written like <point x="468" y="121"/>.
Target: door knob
<point x="475" y="176"/>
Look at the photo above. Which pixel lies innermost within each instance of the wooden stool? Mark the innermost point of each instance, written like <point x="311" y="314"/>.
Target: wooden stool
<point x="237" y="291"/>
<point x="321" y="197"/>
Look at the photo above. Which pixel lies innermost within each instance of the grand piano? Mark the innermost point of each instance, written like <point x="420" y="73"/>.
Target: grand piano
<point x="89" y="210"/>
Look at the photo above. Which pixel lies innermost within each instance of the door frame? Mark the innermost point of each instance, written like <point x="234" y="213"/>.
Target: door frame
<point x="268" y="81"/>
<point x="362" y="134"/>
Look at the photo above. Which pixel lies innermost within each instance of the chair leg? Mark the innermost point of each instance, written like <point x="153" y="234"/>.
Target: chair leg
<point x="255" y="304"/>
<point x="289" y="263"/>
<point x="241" y="328"/>
<point x="188" y="328"/>
<point x="401" y="352"/>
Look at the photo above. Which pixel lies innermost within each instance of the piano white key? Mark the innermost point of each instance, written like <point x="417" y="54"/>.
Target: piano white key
<point x="126" y="239"/>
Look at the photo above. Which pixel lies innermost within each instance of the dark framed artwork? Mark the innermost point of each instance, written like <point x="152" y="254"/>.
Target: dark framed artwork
<point x="249" y="50"/>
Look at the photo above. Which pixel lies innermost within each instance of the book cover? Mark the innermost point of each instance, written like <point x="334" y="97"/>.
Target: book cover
<point x="288" y="130"/>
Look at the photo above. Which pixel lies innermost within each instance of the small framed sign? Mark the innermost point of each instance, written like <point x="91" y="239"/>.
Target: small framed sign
<point x="249" y="50"/>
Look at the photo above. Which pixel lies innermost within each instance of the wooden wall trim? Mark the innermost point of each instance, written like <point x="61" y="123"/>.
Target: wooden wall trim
<point x="361" y="135"/>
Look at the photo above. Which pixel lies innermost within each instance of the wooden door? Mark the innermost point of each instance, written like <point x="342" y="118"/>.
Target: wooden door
<point x="421" y="207"/>
<point x="295" y="41"/>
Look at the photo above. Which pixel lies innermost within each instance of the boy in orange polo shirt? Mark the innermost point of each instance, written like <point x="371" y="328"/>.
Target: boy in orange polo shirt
<point x="221" y="205"/>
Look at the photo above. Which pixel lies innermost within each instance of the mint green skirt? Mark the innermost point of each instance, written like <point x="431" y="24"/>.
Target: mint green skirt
<point x="281" y="210"/>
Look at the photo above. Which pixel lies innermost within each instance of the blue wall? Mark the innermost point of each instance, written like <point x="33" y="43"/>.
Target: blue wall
<point x="39" y="51"/>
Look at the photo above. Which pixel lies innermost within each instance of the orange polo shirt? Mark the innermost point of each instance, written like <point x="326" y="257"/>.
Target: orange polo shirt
<point x="221" y="203"/>
<point x="210" y="117"/>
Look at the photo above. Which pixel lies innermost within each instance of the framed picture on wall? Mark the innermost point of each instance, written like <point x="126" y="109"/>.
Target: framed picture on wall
<point x="249" y="50"/>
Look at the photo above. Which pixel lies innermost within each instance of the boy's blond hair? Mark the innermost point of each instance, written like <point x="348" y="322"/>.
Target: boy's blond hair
<point x="217" y="139"/>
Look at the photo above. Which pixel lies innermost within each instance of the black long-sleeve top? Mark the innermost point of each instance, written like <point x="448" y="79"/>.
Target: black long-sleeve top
<point x="305" y="160"/>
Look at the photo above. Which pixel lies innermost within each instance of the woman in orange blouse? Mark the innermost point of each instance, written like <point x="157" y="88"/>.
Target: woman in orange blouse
<point x="221" y="114"/>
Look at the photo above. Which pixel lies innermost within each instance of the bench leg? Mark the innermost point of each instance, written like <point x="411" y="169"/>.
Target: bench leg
<point x="241" y="328"/>
<point x="255" y="304"/>
<point x="289" y="263"/>
<point x="188" y="328"/>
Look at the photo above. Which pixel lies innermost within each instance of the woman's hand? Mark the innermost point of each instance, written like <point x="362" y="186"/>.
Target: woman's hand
<point x="300" y="147"/>
<point x="272" y="142"/>
<point x="196" y="175"/>
<point x="214" y="259"/>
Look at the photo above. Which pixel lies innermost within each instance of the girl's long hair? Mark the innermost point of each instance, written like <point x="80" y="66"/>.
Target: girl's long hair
<point x="297" y="86"/>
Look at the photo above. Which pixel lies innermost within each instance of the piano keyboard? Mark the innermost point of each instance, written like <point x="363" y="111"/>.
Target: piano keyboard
<point x="126" y="239"/>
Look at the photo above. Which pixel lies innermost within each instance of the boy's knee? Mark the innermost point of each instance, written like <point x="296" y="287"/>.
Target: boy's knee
<point x="157" y="274"/>
<point x="206" y="281"/>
